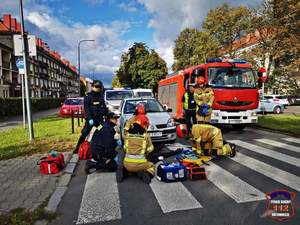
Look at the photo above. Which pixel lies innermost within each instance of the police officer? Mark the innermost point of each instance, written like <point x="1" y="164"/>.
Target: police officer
<point x="137" y="146"/>
<point x="208" y="140"/>
<point x="189" y="106"/>
<point x="204" y="98"/>
<point x="103" y="146"/>
<point x="95" y="111"/>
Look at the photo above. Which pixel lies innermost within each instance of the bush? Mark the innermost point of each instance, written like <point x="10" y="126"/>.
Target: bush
<point x="13" y="106"/>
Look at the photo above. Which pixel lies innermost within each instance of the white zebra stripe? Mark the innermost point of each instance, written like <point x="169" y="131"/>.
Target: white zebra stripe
<point x="234" y="187"/>
<point x="267" y="152"/>
<point x="274" y="173"/>
<point x="291" y="139"/>
<point x="100" y="200"/>
<point x="173" y="196"/>
<point x="279" y="144"/>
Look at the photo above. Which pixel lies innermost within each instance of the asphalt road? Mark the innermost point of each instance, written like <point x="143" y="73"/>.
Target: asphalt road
<point x="14" y="121"/>
<point x="292" y="109"/>
<point x="233" y="194"/>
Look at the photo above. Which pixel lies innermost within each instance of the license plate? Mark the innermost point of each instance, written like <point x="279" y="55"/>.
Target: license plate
<point x="235" y="121"/>
<point x="156" y="134"/>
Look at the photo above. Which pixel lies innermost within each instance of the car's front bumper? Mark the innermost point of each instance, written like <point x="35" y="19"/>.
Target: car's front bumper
<point x="167" y="135"/>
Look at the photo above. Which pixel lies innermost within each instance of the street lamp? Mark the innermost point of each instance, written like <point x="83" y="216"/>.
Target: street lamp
<point x="79" y="53"/>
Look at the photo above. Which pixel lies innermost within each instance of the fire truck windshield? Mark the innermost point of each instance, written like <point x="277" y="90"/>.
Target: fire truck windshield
<point x="231" y="77"/>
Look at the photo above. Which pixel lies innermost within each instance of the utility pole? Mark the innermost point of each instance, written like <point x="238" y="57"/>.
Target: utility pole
<point x="25" y="59"/>
<point x="23" y="100"/>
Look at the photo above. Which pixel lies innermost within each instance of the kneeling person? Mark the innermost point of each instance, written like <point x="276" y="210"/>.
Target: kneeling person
<point x="137" y="145"/>
<point x="208" y="140"/>
<point x="103" y="146"/>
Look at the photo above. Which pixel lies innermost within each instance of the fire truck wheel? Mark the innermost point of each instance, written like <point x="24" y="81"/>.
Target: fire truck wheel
<point x="238" y="126"/>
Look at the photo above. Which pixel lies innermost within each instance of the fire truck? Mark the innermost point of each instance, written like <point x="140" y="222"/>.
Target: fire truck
<point x="235" y="87"/>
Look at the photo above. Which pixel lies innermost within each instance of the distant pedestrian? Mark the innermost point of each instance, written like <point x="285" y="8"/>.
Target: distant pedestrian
<point x="189" y="106"/>
<point x="95" y="111"/>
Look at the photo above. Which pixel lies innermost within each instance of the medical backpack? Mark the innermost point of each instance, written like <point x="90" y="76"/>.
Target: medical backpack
<point x="171" y="172"/>
<point x="52" y="164"/>
<point x="84" y="152"/>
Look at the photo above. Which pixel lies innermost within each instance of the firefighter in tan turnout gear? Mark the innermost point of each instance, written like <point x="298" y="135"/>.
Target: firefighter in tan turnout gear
<point x="204" y="98"/>
<point x="207" y="140"/>
<point x="137" y="145"/>
<point x="139" y="110"/>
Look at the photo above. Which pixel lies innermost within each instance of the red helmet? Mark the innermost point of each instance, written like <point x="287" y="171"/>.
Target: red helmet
<point x="142" y="120"/>
<point x="200" y="80"/>
<point x="140" y="110"/>
<point x="182" y="131"/>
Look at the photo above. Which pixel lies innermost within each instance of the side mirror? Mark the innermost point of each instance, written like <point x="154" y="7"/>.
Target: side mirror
<point x="169" y="110"/>
<point x="165" y="107"/>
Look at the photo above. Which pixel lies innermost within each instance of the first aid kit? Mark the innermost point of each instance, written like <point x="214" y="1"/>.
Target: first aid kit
<point x="52" y="164"/>
<point x="171" y="172"/>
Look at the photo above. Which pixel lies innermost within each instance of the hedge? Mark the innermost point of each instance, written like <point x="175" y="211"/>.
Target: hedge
<point x="13" y="106"/>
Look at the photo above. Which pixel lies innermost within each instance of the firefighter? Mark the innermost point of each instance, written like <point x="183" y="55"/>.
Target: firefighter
<point x="137" y="145"/>
<point x="208" y="141"/>
<point x="139" y="110"/>
<point x="204" y="98"/>
<point x="103" y="146"/>
<point x="95" y="111"/>
<point x="189" y="106"/>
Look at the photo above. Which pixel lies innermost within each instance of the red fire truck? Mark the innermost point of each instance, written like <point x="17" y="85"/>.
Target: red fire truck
<point x="235" y="89"/>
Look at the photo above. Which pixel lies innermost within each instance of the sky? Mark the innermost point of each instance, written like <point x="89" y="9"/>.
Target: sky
<point x="114" y="25"/>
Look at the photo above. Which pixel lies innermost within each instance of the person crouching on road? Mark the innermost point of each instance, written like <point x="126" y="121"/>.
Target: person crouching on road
<point x="103" y="146"/>
<point x="139" y="110"/>
<point x="189" y="106"/>
<point x="204" y="98"/>
<point x="137" y="145"/>
<point x="208" y="141"/>
<point x="95" y="111"/>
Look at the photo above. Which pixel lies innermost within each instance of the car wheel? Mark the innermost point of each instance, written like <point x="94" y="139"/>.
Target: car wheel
<point x="277" y="110"/>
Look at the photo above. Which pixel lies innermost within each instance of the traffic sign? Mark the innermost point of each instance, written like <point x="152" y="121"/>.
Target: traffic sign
<point x="20" y="65"/>
<point x="18" y="45"/>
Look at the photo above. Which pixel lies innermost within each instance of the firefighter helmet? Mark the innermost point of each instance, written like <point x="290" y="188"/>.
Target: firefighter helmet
<point x="142" y="120"/>
<point x="200" y="80"/>
<point x="140" y="110"/>
<point x="181" y="130"/>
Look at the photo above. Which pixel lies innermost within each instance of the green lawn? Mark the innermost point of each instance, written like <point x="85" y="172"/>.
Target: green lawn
<point x="285" y="123"/>
<point x="51" y="133"/>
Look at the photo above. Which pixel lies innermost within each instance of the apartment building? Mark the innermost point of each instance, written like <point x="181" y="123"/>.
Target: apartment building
<point x="49" y="74"/>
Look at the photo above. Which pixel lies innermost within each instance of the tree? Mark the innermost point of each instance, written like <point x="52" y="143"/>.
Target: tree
<point x="141" y="67"/>
<point x="227" y="24"/>
<point x="116" y="82"/>
<point x="193" y="47"/>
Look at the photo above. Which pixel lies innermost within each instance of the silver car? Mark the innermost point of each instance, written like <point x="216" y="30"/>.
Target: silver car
<point x="162" y="127"/>
<point x="267" y="106"/>
<point x="113" y="98"/>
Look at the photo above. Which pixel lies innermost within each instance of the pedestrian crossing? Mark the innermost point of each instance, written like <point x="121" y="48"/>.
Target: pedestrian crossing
<point x="101" y="198"/>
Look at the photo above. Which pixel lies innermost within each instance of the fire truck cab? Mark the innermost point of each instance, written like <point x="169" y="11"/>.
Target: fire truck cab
<point x="235" y="89"/>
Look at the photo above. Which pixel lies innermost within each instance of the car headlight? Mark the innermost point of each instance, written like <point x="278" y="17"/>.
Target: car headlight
<point x="171" y="123"/>
<point x="253" y="114"/>
<point x="151" y="127"/>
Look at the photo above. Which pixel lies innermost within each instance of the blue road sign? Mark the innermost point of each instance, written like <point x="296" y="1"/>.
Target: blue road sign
<point x="20" y="63"/>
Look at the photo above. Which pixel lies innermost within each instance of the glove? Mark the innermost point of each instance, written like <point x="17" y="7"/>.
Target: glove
<point x="91" y="122"/>
<point x="205" y="108"/>
<point x="119" y="142"/>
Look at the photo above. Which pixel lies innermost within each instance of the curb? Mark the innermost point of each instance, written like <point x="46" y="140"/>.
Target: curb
<point x="275" y="131"/>
<point x="63" y="183"/>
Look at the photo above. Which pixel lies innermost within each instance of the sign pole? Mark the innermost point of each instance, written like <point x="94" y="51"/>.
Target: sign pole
<point x="23" y="100"/>
<point x="25" y="59"/>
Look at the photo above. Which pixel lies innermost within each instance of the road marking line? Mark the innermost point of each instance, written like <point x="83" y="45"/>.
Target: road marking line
<point x="100" y="200"/>
<point x="296" y="140"/>
<point x="173" y="196"/>
<point x="239" y="190"/>
<point x="279" y="144"/>
<point x="274" y="173"/>
<point x="267" y="152"/>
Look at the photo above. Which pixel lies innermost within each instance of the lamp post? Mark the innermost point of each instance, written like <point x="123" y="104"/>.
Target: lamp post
<point x="79" y="53"/>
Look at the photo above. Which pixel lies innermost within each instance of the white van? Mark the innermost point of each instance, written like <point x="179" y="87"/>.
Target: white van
<point x="143" y="93"/>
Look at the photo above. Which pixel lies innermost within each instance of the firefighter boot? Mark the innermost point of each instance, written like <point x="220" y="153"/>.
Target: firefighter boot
<point x="229" y="149"/>
<point x="144" y="176"/>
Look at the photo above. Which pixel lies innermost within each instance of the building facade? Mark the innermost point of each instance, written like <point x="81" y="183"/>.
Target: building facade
<point x="49" y="74"/>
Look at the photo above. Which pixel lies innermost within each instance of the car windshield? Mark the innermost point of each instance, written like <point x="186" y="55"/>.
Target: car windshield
<point x="231" y="77"/>
<point x="73" y="102"/>
<point x="144" y="94"/>
<point x="151" y="105"/>
<point x="118" y="95"/>
<point x="281" y="97"/>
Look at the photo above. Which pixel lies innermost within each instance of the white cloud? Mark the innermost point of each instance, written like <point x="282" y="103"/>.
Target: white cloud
<point x="170" y="17"/>
<point x="94" y="2"/>
<point x="129" y="7"/>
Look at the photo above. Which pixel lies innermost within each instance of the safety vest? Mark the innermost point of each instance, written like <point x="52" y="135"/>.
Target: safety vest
<point x="135" y="147"/>
<point x="186" y="101"/>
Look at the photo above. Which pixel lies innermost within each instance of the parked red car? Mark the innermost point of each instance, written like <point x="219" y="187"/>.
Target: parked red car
<point x="75" y="104"/>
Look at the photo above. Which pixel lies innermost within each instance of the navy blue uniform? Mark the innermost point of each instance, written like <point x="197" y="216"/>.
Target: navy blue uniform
<point x="96" y="110"/>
